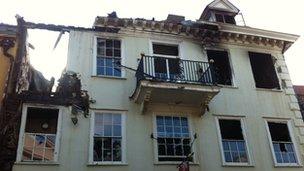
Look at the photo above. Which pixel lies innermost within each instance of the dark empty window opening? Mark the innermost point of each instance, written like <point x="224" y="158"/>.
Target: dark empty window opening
<point x="281" y="142"/>
<point x="263" y="71"/>
<point x="167" y="50"/>
<point x="223" y="18"/>
<point x="233" y="142"/>
<point x="221" y="66"/>
<point x="40" y="134"/>
<point x="229" y="19"/>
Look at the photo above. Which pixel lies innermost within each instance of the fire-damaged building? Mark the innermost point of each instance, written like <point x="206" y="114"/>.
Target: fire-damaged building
<point x="142" y="94"/>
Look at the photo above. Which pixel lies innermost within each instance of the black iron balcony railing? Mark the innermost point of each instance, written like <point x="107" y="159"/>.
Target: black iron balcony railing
<point x="175" y="70"/>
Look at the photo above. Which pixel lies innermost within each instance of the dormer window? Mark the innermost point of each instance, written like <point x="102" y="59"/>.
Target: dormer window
<point x="223" y="18"/>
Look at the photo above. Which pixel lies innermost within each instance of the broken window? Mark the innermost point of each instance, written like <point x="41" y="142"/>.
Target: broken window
<point x="166" y="68"/>
<point x="164" y="49"/>
<point x="221" y="66"/>
<point x="233" y="142"/>
<point x="40" y="134"/>
<point x="173" y="138"/>
<point x="229" y="19"/>
<point x="222" y="18"/>
<point x="263" y="71"/>
<point x="107" y="137"/>
<point x="108" y="57"/>
<point x="283" y="147"/>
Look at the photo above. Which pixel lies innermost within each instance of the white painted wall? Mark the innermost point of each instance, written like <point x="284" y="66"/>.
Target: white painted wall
<point x="242" y="100"/>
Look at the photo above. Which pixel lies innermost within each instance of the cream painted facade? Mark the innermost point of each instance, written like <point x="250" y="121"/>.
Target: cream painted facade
<point x="241" y="100"/>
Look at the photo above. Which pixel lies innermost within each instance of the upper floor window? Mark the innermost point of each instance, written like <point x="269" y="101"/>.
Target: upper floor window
<point x="108" y="137"/>
<point x="165" y="49"/>
<point x="234" y="148"/>
<point x="39" y="135"/>
<point x="282" y="146"/>
<point x="221" y="66"/>
<point x="167" y="64"/>
<point x="224" y="18"/>
<point x="264" y="73"/>
<point x="173" y="138"/>
<point x="108" y="57"/>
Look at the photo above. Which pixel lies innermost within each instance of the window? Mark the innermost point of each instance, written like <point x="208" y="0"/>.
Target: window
<point x="173" y="138"/>
<point x="108" y="137"/>
<point x="225" y="18"/>
<point x="39" y="135"/>
<point x="164" y="67"/>
<point x="263" y="71"/>
<point x="282" y="145"/>
<point x="233" y="142"/>
<point x="221" y="66"/>
<point x="108" y="58"/>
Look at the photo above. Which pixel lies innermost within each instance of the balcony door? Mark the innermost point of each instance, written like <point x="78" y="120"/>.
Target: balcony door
<point x="166" y="61"/>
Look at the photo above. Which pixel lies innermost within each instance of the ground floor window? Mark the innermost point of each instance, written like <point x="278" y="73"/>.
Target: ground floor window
<point x="281" y="142"/>
<point x="108" y="137"/>
<point x="39" y="135"/>
<point x="233" y="141"/>
<point x="173" y="138"/>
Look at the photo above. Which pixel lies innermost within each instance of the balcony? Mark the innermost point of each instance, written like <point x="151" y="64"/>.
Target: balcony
<point x="163" y="80"/>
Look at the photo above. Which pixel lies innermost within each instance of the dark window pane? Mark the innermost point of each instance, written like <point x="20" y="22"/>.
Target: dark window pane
<point x="229" y="19"/>
<point x="219" y="18"/>
<point x="170" y="150"/>
<point x="231" y="129"/>
<point x="279" y="132"/>
<point x="107" y="155"/>
<point x="109" y="52"/>
<point x="160" y="65"/>
<point x="221" y="66"/>
<point x="161" y="150"/>
<point x="117" y="53"/>
<point x="263" y="70"/>
<point x="109" y="43"/>
<point x="97" y="156"/>
<point x="117" y="44"/>
<point x="179" y="150"/>
<point x="161" y="49"/>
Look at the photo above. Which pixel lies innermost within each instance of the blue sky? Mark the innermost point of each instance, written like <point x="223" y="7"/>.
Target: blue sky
<point x="283" y="16"/>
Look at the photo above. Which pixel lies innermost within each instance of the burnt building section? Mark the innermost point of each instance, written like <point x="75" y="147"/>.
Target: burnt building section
<point x="299" y="90"/>
<point x="25" y="85"/>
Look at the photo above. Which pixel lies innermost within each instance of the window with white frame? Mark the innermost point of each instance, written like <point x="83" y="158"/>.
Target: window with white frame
<point x="40" y="135"/>
<point x="166" y="61"/>
<point x="173" y="138"/>
<point x="282" y="145"/>
<point x="107" y="138"/>
<point x="233" y="142"/>
<point x="108" y="57"/>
